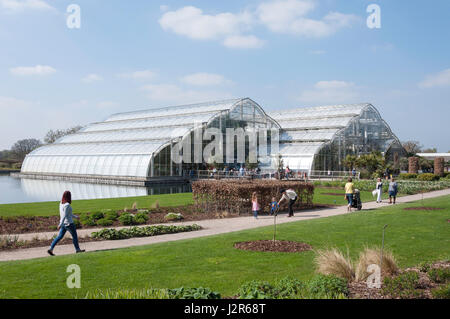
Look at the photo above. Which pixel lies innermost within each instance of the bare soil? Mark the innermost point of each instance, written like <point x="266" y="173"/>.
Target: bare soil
<point x="273" y="246"/>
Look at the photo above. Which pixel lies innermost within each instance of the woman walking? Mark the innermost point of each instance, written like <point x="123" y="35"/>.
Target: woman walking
<point x="379" y="190"/>
<point x="66" y="223"/>
<point x="393" y="190"/>
<point x="349" y="190"/>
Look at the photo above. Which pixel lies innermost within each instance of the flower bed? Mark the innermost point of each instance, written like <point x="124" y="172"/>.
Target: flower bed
<point x="147" y="231"/>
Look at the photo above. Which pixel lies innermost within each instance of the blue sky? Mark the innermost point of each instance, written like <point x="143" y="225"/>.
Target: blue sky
<point x="281" y="53"/>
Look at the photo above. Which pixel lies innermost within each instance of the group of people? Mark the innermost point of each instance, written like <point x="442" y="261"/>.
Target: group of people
<point x="392" y="190"/>
<point x="288" y="195"/>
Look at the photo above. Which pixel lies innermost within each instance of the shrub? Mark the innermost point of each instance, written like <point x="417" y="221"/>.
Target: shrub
<point x="97" y="215"/>
<point x="111" y="215"/>
<point x="371" y="256"/>
<point x="256" y="290"/>
<point x="327" y="286"/>
<point x="439" y="275"/>
<point x="428" y="177"/>
<point x="288" y="288"/>
<point x="104" y="222"/>
<point x="402" y="286"/>
<point x="193" y="293"/>
<point x="441" y="292"/>
<point x="126" y="219"/>
<point x="173" y="216"/>
<point x="125" y="233"/>
<point x="407" y="176"/>
<point x="333" y="262"/>
<point x="87" y="220"/>
<point x="140" y="218"/>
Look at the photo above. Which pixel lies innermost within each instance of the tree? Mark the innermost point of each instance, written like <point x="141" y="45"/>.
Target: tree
<point x="430" y="150"/>
<point x="350" y="161"/>
<point x="372" y="163"/>
<point x="412" y="147"/>
<point x="21" y="148"/>
<point x="52" y="136"/>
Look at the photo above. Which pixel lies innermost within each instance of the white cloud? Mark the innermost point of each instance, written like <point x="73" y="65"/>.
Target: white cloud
<point x="175" y="94"/>
<point x="331" y="92"/>
<point x="139" y="75"/>
<point x="193" y="23"/>
<point x="91" y="78"/>
<point x="205" y="79"/>
<point x="33" y="70"/>
<point x="441" y="79"/>
<point x="279" y="16"/>
<point x="226" y="27"/>
<point x="14" y="6"/>
<point x="243" y="42"/>
<point x="289" y="16"/>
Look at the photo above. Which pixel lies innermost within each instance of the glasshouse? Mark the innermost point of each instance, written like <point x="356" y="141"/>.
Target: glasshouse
<point x="140" y="145"/>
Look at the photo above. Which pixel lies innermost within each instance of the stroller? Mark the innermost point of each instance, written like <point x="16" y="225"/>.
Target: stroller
<point x="357" y="200"/>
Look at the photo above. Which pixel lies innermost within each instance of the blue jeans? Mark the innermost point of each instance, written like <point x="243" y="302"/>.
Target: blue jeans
<point x="72" y="230"/>
<point x="349" y="199"/>
<point x="255" y="213"/>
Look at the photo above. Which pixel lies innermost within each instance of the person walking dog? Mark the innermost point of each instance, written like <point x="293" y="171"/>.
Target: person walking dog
<point x="291" y="196"/>
<point x="66" y="223"/>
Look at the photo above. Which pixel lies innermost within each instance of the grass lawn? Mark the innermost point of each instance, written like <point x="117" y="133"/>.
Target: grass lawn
<point x="413" y="236"/>
<point x="80" y="206"/>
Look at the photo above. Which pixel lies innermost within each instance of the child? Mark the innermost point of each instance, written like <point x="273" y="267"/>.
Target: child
<point x="274" y="207"/>
<point x="255" y="205"/>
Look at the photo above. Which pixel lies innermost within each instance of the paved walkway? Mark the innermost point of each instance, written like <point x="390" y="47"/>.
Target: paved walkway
<point x="210" y="227"/>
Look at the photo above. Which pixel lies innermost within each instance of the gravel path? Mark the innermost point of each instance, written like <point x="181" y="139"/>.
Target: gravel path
<point x="210" y="227"/>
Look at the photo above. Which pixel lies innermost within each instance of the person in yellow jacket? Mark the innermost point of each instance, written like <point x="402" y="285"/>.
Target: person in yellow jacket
<point x="349" y="189"/>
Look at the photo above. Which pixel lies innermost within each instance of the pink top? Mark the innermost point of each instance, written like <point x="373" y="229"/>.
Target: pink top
<point x="255" y="205"/>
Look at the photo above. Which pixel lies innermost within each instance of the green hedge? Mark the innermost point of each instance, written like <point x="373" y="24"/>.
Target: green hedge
<point x="428" y="177"/>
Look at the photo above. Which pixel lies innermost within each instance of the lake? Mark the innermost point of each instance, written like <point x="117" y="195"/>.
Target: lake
<point x="22" y="190"/>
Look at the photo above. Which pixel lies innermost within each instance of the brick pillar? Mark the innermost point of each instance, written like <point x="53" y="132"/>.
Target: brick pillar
<point x="413" y="165"/>
<point x="439" y="166"/>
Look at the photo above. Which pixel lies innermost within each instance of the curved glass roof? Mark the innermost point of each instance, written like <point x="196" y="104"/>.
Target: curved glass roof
<point x="125" y="142"/>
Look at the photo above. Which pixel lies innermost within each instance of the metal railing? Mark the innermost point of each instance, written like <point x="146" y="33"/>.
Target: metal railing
<point x="266" y="174"/>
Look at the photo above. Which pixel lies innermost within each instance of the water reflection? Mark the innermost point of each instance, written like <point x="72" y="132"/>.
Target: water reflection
<point x="22" y="190"/>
